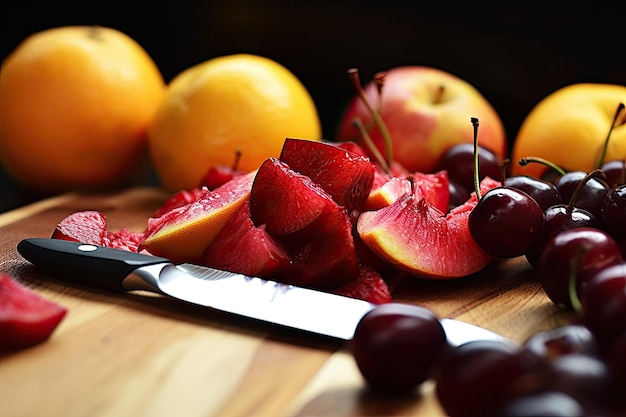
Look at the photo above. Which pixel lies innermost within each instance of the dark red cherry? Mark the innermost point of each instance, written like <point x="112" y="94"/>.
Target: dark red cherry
<point x="570" y="258"/>
<point x="459" y="162"/>
<point x="543" y="192"/>
<point x="603" y="300"/>
<point x="591" y="195"/>
<point x="397" y="346"/>
<point x="614" y="211"/>
<point x="506" y="222"/>
<point x="615" y="172"/>
<point x="557" y="219"/>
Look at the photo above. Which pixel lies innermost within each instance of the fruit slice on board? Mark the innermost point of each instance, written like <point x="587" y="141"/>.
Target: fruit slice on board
<point x="345" y="175"/>
<point x="323" y="254"/>
<point x="421" y="240"/>
<point x="284" y="200"/>
<point x="84" y="226"/>
<point x="184" y="233"/>
<point x="26" y="318"/>
<point x="369" y="286"/>
<point x="245" y="248"/>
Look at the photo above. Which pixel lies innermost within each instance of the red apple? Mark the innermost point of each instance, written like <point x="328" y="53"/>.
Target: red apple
<point x="426" y="111"/>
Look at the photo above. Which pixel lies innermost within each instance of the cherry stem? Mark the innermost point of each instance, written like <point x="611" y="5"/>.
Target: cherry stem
<point x="379" y="81"/>
<point x="597" y="174"/>
<point x="353" y="73"/>
<point x="505" y="162"/>
<point x="370" y="145"/>
<point x="476" y="174"/>
<point x="575" y="267"/>
<point x="525" y="161"/>
<point x="620" y="108"/>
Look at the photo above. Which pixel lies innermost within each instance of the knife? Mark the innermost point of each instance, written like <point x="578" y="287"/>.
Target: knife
<point x="286" y="305"/>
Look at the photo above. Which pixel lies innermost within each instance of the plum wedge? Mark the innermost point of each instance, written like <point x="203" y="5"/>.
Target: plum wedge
<point x="346" y="175"/>
<point x="183" y="233"/>
<point x="421" y="240"/>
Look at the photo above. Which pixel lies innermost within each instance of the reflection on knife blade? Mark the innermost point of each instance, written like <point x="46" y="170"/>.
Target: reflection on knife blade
<point x="286" y="305"/>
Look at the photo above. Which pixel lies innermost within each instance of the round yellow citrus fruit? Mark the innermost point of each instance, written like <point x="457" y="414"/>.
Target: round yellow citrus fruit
<point x="227" y="104"/>
<point x="75" y="105"/>
<point x="569" y="128"/>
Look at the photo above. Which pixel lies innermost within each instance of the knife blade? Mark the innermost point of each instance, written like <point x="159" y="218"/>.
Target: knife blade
<point x="286" y="305"/>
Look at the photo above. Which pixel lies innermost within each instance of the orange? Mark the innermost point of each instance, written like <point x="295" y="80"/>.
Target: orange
<point x="75" y="105"/>
<point x="569" y="127"/>
<point x="232" y="103"/>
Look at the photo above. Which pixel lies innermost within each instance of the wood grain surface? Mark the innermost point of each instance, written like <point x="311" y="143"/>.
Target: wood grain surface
<point x="139" y="354"/>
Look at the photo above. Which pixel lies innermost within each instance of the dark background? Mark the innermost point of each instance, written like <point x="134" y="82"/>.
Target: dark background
<point x="515" y="53"/>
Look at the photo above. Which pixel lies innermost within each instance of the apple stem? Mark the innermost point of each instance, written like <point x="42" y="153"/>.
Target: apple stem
<point x="439" y="94"/>
<point x="476" y="174"/>
<point x="620" y="108"/>
<point x="353" y="73"/>
<point x="525" y="161"/>
<point x="237" y="159"/>
<point x="370" y="145"/>
<point x="596" y="174"/>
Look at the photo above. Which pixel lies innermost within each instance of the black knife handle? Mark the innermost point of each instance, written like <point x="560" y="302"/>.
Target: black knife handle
<point x="96" y="266"/>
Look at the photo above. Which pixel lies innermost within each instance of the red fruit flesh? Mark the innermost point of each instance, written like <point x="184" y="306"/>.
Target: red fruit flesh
<point x="244" y="248"/>
<point x="420" y="240"/>
<point x="26" y="318"/>
<point x="284" y="200"/>
<point x="91" y="227"/>
<point x="83" y="226"/>
<point x="183" y="234"/>
<point x="180" y="199"/>
<point x="323" y="254"/>
<point x="369" y="286"/>
<point x="434" y="188"/>
<point x="345" y="175"/>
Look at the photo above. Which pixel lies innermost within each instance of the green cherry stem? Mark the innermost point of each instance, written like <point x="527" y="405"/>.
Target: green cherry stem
<point x="535" y="159"/>
<point x="575" y="268"/>
<point x="476" y="174"/>
<point x="620" y="108"/>
<point x="353" y="73"/>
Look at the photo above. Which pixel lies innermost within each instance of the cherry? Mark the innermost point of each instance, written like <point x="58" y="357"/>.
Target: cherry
<point x="542" y="404"/>
<point x="614" y="211"/>
<point x="570" y="258"/>
<point x="561" y="217"/>
<point x="615" y="172"/>
<point x="506" y="222"/>
<point x="476" y="378"/>
<point x="585" y="378"/>
<point x="543" y="192"/>
<point x="397" y="346"/>
<point x="459" y="162"/>
<point x="590" y="196"/>
<point x="603" y="301"/>
<point x="563" y="340"/>
<point x="558" y="219"/>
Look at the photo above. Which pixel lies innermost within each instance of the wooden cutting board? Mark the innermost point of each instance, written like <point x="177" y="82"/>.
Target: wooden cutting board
<point x="145" y="355"/>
